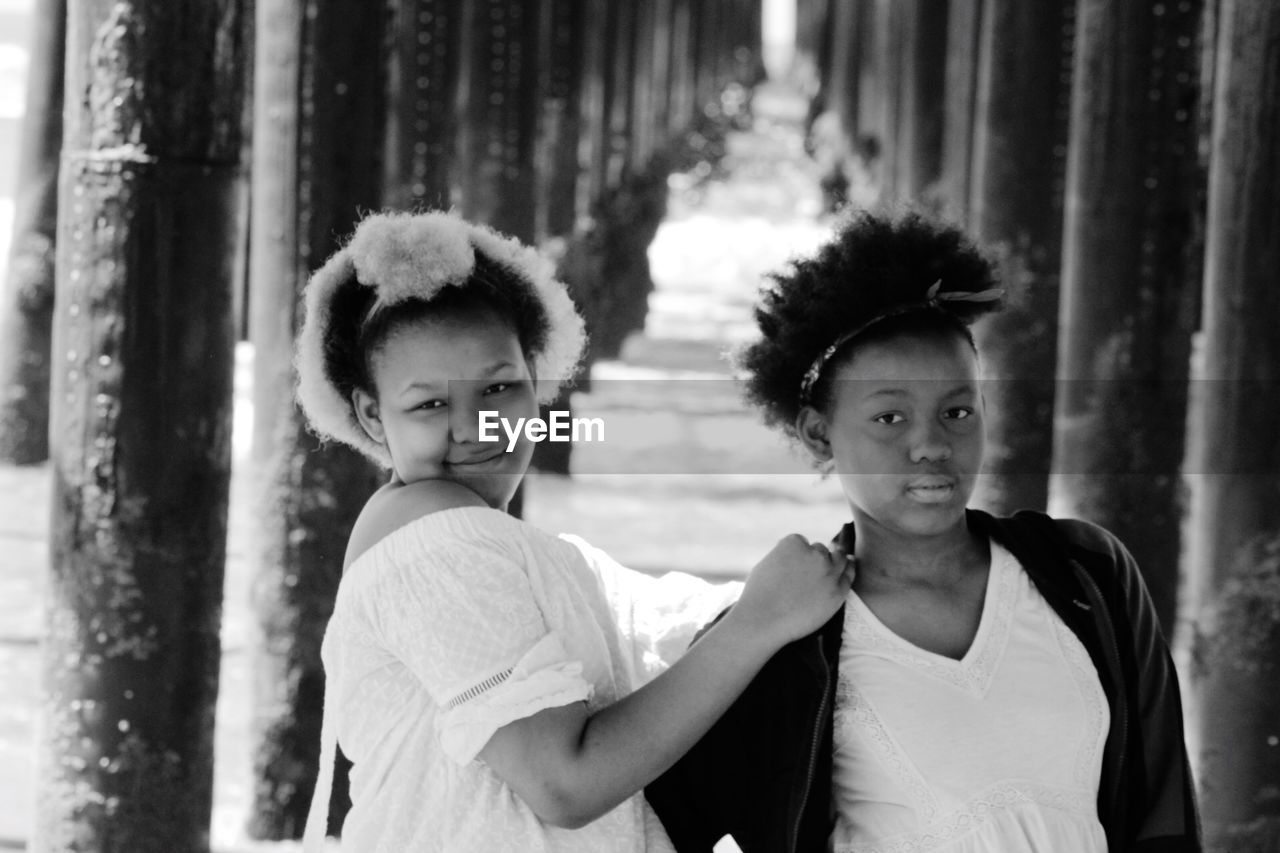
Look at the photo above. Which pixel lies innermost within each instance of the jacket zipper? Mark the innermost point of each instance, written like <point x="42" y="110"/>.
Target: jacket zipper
<point x="813" y="749"/>
<point x="1114" y="648"/>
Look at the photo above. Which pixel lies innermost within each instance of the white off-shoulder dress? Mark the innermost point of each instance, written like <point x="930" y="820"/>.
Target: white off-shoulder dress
<point x="460" y="623"/>
<point x="999" y="752"/>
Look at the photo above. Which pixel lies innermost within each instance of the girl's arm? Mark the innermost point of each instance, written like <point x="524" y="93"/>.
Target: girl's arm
<point x="571" y="767"/>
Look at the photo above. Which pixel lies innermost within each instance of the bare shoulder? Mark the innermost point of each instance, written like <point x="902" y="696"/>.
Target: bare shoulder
<point x="397" y="504"/>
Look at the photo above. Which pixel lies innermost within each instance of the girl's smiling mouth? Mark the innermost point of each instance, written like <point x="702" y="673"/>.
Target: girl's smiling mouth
<point x="475" y="461"/>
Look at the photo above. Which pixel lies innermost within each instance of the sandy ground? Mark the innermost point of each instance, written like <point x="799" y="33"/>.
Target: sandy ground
<point x="686" y="478"/>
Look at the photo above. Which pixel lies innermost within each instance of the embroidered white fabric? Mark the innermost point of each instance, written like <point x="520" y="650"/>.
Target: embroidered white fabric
<point x="998" y="751"/>
<point x="450" y="628"/>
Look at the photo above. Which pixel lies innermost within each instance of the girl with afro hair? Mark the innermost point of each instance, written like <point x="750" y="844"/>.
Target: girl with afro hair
<point x="992" y="685"/>
<point x="485" y="677"/>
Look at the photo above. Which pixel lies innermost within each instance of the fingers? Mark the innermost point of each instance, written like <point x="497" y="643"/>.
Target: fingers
<point x="836" y="559"/>
<point x="850" y="572"/>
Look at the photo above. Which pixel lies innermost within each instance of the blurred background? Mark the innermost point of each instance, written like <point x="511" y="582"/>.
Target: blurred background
<point x="172" y="170"/>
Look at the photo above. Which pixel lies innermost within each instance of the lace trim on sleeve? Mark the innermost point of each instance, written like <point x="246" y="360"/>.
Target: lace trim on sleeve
<point x="543" y="678"/>
<point x="472" y="692"/>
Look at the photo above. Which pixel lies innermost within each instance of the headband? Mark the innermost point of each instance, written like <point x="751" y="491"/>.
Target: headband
<point x="405" y="256"/>
<point x="933" y="300"/>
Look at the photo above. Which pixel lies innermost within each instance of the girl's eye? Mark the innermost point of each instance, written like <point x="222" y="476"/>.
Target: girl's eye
<point x="498" y="387"/>
<point x="889" y="418"/>
<point x="960" y="413"/>
<point x="429" y="404"/>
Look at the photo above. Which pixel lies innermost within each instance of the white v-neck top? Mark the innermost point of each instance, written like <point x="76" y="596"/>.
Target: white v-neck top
<point x="998" y="752"/>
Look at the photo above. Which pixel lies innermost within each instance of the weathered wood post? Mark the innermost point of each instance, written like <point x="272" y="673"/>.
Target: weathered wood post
<point x="1234" y="469"/>
<point x="682" y="78"/>
<point x="877" y="96"/>
<point x="813" y="33"/>
<point x="1016" y="207"/>
<point x="1131" y="271"/>
<point x="706" y="53"/>
<point x="141" y="421"/>
<point x="318" y="141"/>
<point x="645" y="136"/>
<point x="840" y="84"/>
<point x="834" y="130"/>
<point x="921" y="52"/>
<point x="26" y="316"/>
<point x="964" y="19"/>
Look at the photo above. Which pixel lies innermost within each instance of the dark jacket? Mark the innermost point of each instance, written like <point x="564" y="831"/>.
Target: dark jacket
<point x="763" y="772"/>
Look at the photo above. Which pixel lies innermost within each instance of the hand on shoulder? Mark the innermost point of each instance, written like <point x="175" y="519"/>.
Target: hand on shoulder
<point x="397" y="504"/>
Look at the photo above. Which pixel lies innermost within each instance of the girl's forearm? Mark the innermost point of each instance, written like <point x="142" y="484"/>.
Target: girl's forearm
<point x="630" y="743"/>
<point x="570" y="767"/>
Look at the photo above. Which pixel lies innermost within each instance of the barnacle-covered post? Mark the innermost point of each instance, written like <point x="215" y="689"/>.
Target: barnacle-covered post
<point x="689" y="50"/>
<point x="599" y="262"/>
<point x="26" y="315"/>
<point x="1131" y="270"/>
<point x="1234" y="471"/>
<point x="1015" y="207"/>
<point x="422" y="123"/>
<point x="319" y="126"/>
<point x="141" y="423"/>
<point x="498" y="106"/>
<point x="561" y="68"/>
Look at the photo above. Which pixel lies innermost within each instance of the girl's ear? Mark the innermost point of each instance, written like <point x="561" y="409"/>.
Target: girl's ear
<point x="366" y="407"/>
<point x="811" y="427"/>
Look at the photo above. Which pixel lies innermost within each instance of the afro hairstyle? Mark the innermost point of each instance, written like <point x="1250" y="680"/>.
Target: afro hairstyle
<point x="873" y="276"/>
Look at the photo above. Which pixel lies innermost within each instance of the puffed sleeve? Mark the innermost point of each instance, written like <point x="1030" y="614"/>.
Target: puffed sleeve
<point x="453" y="603"/>
<point x="656" y="616"/>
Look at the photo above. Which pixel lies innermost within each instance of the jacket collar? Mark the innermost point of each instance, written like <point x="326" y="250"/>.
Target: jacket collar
<point x="1019" y="535"/>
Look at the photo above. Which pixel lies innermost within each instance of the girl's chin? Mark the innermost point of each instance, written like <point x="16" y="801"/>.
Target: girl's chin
<point x="496" y="490"/>
<point x="916" y="519"/>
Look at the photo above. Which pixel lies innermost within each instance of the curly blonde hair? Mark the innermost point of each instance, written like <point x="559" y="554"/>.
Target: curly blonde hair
<point x="404" y="265"/>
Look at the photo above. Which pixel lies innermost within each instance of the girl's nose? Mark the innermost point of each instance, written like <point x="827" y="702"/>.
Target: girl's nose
<point x="464" y="415"/>
<point x="930" y="443"/>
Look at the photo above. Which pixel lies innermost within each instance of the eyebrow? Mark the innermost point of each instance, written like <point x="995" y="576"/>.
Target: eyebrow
<point x="434" y="386"/>
<point x="498" y="368"/>
<point x="902" y="392"/>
